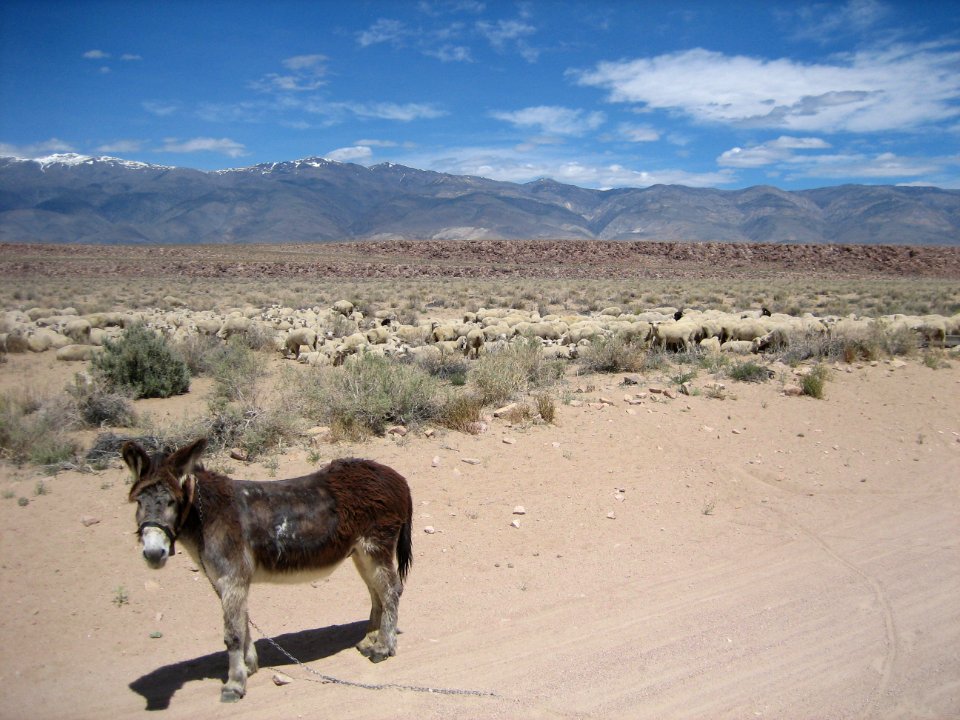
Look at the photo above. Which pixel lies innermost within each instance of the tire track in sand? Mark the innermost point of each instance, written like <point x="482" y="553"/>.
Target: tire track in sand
<point x="890" y="627"/>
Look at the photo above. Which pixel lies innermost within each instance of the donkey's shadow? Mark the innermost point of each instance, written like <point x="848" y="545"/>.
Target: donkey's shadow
<point x="158" y="687"/>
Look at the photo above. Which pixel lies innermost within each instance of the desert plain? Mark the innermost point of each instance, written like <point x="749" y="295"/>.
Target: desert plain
<point x="734" y="554"/>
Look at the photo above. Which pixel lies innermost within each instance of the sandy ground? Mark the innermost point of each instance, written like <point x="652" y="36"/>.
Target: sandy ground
<point x="758" y="556"/>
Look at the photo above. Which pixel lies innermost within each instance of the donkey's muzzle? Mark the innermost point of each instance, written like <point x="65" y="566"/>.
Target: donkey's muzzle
<point x="157" y="544"/>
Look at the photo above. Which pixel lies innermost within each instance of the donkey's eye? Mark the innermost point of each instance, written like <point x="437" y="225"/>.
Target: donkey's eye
<point x="170" y="503"/>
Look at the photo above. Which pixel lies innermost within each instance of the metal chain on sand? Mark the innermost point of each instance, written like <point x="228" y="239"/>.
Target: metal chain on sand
<point x="330" y="680"/>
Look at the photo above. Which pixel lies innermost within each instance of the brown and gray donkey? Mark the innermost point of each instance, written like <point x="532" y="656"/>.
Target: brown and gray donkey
<point x="276" y="531"/>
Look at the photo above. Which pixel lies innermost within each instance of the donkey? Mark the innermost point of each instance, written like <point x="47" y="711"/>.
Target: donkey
<point x="297" y="529"/>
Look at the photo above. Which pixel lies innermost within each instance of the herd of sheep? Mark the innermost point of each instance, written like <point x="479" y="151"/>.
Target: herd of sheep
<point x="326" y="336"/>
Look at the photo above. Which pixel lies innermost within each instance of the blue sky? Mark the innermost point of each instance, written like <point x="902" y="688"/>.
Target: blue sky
<point x="598" y="94"/>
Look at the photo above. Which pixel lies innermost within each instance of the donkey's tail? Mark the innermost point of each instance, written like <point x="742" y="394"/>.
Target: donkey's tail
<point x="404" y="550"/>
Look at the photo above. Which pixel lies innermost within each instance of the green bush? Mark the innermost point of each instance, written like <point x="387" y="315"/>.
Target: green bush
<point x="199" y="352"/>
<point x="518" y="368"/>
<point x="447" y="366"/>
<point x="461" y="412"/>
<point x="369" y="392"/>
<point x="748" y="371"/>
<point x="812" y="383"/>
<point x="547" y="408"/>
<point x="256" y="430"/>
<point x="142" y="363"/>
<point x="236" y="370"/>
<point x="34" y="431"/>
<point x="97" y="406"/>
<point x="613" y="354"/>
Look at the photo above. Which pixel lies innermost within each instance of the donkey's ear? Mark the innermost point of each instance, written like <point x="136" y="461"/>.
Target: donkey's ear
<point x="186" y="458"/>
<point x="136" y="459"/>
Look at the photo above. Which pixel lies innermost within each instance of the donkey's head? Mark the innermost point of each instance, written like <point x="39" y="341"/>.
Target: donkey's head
<point x="164" y="490"/>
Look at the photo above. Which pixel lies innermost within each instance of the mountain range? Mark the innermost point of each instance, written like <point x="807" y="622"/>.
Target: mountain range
<point x="79" y="199"/>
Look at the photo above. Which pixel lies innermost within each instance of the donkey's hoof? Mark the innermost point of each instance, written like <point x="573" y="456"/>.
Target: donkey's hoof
<point x="229" y="695"/>
<point x="374" y="653"/>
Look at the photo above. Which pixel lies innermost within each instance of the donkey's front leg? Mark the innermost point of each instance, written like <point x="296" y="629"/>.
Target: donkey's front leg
<point x="236" y="636"/>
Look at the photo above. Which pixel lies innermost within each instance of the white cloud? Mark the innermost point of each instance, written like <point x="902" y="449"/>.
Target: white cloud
<point x="404" y="112"/>
<point x="307" y="73"/>
<point x="822" y="22"/>
<point x="223" y="146"/>
<point x="350" y="154"/>
<point x="505" y="34"/>
<point x="96" y="55"/>
<point x="441" y="7"/>
<point x="383" y="30"/>
<point x="450" y="53"/>
<point x="508" y="165"/>
<point x="883" y="166"/>
<point x="769" y="153"/>
<point x="503" y="31"/>
<point x="40" y="149"/>
<point x="247" y="112"/>
<point x="899" y="88"/>
<point x="306" y="62"/>
<point x="553" y="120"/>
<point x="160" y="107"/>
<point x="638" y="133"/>
<point x="130" y="57"/>
<point x="121" y="146"/>
<point x="376" y="143"/>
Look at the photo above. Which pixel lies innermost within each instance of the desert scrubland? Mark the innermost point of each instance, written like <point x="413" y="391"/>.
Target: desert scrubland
<point x="649" y="480"/>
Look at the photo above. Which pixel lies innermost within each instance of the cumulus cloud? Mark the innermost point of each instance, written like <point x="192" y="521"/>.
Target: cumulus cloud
<point x="121" y="146"/>
<point x="223" y="146"/>
<point x="775" y="151"/>
<point x="34" y="150"/>
<point x="507" y="165"/>
<point x="897" y="88"/>
<point x="160" y="107"/>
<point x="307" y="73"/>
<point x="504" y="35"/>
<point x="403" y="112"/>
<point x="553" y="120"/>
<point x="96" y="55"/>
<point x="355" y="153"/>
<point x="383" y="30"/>
<point x="450" y="53"/>
<point x="244" y="111"/>
<point x="883" y="166"/>
<point x="130" y="57"/>
<point x="822" y="22"/>
<point x="638" y="133"/>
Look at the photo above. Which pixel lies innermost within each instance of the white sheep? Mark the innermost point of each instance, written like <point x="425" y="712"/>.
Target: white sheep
<point x="473" y="342"/>
<point x="207" y="326"/>
<point x="301" y="336"/>
<point x="676" y="335"/>
<point x="412" y="334"/>
<point x="584" y="330"/>
<point x="378" y="335"/>
<point x="349" y="345"/>
<point x="774" y="340"/>
<point x="343" y="307"/>
<point x="76" y="353"/>
<point x="737" y="347"/>
<point x="235" y="325"/>
<point x="710" y="345"/>
<point x="442" y="333"/>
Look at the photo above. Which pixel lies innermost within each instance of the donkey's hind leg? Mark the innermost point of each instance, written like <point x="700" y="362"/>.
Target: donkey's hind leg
<point x="385" y="588"/>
